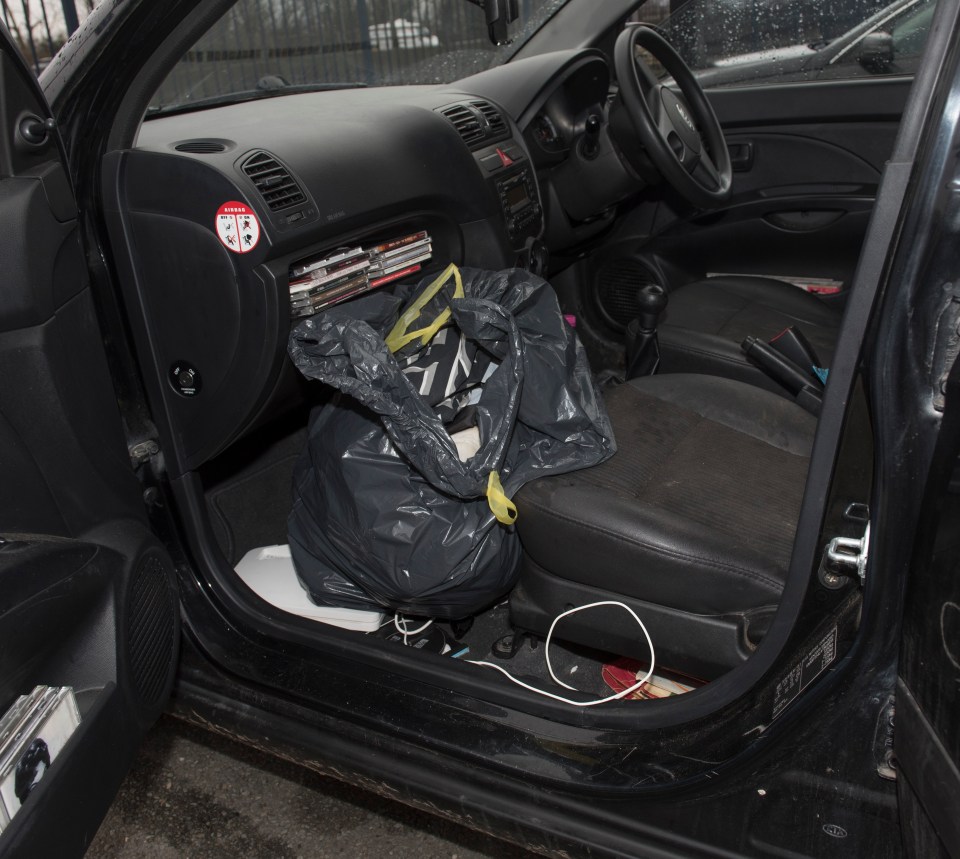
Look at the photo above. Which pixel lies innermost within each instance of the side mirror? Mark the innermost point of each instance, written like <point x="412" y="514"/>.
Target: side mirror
<point x="876" y="52"/>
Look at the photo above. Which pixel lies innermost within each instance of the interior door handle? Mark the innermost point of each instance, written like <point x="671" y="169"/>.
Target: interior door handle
<point x="741" y="156"/>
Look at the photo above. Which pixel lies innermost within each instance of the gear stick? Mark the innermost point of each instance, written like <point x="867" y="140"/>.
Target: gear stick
<point x="643" y="350"/>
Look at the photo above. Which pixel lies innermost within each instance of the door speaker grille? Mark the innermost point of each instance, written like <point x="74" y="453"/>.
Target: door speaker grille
<point x="151" y="626"/>
<point x="617" y="284"/>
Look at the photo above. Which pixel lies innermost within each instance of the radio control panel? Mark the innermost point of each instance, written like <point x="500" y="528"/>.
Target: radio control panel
<point x="514" y="183"/>
<point x="520" y="204"/>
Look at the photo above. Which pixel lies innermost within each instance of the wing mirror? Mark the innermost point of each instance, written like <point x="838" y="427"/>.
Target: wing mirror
<point x="876" y="52"/>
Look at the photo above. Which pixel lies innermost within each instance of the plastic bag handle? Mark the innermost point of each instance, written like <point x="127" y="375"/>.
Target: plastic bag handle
<point x="399" y="336"/>
<point x="502" y="507"/>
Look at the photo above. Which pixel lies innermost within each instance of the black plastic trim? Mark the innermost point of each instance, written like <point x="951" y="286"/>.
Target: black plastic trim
<point x="882" y="99"/>
<point x="927" y="765"/>
<point x="61" y="815"/>
<point x="702" y="646"/>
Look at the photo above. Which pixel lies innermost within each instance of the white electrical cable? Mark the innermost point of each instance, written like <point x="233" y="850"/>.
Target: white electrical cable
<point x="560" y="698"/>
<point x="398" y="619"/>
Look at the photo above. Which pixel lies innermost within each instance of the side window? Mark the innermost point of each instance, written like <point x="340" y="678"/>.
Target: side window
<point x="745" y="42"/>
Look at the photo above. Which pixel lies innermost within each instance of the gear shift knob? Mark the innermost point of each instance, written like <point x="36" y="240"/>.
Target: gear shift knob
<point x="642" y="350"/>
<point x="652" y="300"/>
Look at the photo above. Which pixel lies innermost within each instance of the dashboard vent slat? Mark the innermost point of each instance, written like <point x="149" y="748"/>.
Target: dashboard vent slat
<point x="277" y="187"/>
<point x="494" y="119"/>
<point x="201" y="147"/>
<point x="466" y="122"/>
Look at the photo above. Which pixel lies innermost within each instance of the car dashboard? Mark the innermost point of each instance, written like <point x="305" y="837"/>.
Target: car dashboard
<point x="479" y="166"/>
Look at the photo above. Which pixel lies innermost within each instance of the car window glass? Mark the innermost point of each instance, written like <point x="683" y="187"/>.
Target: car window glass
<point x="736" y="42"/>
<point x="277" y="44"/>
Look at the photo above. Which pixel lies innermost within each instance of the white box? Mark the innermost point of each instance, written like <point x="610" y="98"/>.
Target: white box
<point x="269" y="573"/>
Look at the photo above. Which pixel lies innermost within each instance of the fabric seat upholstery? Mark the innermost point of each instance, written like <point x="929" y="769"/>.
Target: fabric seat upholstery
<point x="696" y="512"/>
<point x="705" y="322"/>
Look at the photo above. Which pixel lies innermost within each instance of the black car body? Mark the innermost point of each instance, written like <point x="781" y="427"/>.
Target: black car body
<point x="131" y="489"/>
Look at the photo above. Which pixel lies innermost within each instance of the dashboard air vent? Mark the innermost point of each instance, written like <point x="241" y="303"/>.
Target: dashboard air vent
<point x="201" y="147"/>
<point x="495" y="121"/>
<point x="277" y="187"/>
<point x="466" y="121"/>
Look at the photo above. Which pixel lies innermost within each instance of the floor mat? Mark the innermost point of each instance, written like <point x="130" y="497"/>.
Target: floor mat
<point x="249" y="505"/>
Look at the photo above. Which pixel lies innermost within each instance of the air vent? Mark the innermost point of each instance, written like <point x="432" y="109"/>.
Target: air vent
<point x="274" y="182"/>
<point x="495" y="121"/>
<point x="201" y="147"/>
<point x="466" y="121"/>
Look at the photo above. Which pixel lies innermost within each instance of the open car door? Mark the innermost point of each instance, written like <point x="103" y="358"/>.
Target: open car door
<point x="87" y="594"/>
<point x="920" y="399"/>
<point x="927" y="732"/>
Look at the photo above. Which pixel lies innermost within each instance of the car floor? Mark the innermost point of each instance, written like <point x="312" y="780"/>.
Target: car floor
<point x="248" y="489"/>
<point x="248" y="494"/>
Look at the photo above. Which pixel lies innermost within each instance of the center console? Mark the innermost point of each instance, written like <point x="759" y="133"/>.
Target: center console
<point x="520" y="205"/>
<point x="513" y="182"/>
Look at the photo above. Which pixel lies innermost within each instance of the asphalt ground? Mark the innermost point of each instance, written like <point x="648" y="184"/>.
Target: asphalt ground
<point x="195" y="795"/>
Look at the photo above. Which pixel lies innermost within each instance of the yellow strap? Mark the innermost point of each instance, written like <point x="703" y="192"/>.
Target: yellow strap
<point x="503" y="508"/>
<point x="399" y="336"/>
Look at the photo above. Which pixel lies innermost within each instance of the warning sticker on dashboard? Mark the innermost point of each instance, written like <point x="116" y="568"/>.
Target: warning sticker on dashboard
<point x="237" y="227"/>
<point x="803" y="674"/>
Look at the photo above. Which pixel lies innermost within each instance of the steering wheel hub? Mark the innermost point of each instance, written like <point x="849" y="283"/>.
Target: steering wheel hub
<point x="678" y="132"/>
<point x="679" y="115"/>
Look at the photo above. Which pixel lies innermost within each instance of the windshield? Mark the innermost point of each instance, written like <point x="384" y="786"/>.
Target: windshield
<point x="263" y="47"/>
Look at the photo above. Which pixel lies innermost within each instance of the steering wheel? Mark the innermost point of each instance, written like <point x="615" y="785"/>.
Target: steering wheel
<point x="680" y="134"/>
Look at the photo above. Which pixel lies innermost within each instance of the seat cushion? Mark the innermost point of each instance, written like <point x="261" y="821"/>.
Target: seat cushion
<point x="698" y="508"/>
<point x="705" y="322"/>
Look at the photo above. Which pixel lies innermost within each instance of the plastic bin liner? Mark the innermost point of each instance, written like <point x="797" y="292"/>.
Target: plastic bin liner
<point x="385" y="513"/>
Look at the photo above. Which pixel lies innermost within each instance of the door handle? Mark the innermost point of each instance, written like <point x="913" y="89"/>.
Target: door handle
<point x="741" y="156"/>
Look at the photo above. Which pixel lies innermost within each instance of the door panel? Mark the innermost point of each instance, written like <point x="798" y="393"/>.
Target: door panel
<point x="800" y="208"/>
<point x="927" y="731"/>
<point x="811" y="156"/>
<point x="87" y="596"/>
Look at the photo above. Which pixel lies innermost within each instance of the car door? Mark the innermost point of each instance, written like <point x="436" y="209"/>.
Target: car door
<point x="87" y="595"/>
<point x="927" y="726"/>
<point x="808" y="139"/>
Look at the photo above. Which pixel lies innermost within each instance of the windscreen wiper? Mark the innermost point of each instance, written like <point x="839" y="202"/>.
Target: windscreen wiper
<point x="248" y="95"/>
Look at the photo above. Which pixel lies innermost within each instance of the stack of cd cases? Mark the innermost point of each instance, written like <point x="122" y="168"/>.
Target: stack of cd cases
<point x="32" y="733"/>
<point x="335" y="276"/>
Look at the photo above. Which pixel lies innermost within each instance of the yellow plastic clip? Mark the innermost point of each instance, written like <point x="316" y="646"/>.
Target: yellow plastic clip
<point x="400" y="336"/>
<point x="501" y="506"/>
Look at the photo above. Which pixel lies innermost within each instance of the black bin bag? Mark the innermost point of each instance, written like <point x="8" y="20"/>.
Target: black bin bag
<point x="385" y="513"/>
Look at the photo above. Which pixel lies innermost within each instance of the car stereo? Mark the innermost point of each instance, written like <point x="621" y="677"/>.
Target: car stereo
<point x="518" y="200"/>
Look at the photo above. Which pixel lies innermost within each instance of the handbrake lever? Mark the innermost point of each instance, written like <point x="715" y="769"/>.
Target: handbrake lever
<point x="796" y="380"/>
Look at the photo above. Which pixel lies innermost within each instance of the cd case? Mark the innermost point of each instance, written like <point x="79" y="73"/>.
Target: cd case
<point x="32" y="733"/>
<point x="344" y="273"/>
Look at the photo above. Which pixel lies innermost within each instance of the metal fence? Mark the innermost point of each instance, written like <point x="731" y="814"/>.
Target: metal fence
<point x="265" y="43"/>
<point x="296" y="39"/>
<point x="310" y="40"/>
<point x="40" y="27"/>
